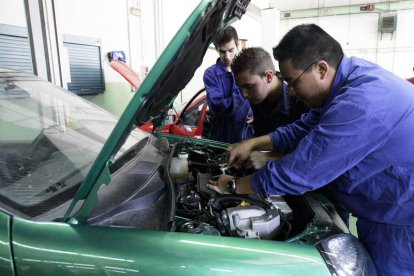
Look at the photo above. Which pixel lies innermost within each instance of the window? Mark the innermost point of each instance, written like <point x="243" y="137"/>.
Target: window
<point x="84" y="57"/>
<point x="15" y="48"/>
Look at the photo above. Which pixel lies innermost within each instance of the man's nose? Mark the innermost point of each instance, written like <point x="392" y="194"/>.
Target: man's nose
<point x="244" y="93"/>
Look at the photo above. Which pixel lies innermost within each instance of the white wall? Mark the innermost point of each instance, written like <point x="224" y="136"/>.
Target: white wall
<point x="148" y="31"/>
<point x="401" y="48"/>
<point x="103" y="19"/>
<point x="12" y="13"/>
<point x="359" y="36"/>
<point x="311" y="4"/>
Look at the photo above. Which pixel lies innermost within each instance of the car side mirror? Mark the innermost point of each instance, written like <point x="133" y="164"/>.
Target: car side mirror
<point x="170" y="120"/>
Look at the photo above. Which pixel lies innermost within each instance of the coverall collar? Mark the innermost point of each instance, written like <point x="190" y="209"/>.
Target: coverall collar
<point x="340" y="77"/>
<point x="221" y="69"/>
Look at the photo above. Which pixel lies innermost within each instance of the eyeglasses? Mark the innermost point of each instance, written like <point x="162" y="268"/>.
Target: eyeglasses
<point x="291" y="84"/>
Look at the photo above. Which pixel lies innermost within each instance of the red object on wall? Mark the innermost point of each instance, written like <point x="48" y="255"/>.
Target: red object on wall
<point x="127" y="72"/>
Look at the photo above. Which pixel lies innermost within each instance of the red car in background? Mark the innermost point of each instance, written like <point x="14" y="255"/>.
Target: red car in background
<point x="187" y="119"/>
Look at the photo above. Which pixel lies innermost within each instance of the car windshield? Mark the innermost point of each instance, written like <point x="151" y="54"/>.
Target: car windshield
<point x="49" y="139"/>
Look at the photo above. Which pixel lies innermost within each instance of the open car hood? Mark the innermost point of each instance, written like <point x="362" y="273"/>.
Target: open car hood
<point x="170" y="74"/>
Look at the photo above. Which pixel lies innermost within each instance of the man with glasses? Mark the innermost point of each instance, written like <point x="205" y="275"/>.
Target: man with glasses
<point x="358" y="138"/>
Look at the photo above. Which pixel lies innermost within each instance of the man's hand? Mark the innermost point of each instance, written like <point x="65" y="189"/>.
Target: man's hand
<point x="243" y="184"/>
<point x="259" y="158"/>
<point x="239" y="153"/>
<point x="220" y="186"/>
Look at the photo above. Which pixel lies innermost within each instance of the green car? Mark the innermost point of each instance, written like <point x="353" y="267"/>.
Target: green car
<point x="83" y="193"/>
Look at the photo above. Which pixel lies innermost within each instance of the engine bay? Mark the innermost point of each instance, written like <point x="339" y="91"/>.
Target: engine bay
<point x="203" y="211"/>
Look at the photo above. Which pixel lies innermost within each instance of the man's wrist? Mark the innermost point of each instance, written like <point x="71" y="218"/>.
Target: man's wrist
<point x="232" y="186"/>
<point x="251" y="144"/>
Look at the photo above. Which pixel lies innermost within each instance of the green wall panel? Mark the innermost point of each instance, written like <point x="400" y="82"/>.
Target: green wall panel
<point x="115" y="98"/>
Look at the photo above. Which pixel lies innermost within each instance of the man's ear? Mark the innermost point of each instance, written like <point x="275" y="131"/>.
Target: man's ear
<point x="269" y="75"/>
<point x="323" y="68"/>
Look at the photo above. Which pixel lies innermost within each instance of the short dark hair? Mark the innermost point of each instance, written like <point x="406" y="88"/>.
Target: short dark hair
<point x="225" y="36"/>
<point x="308" y="43"/>
<point x="255" y="59"/>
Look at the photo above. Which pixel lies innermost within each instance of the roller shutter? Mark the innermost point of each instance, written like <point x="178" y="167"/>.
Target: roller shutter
<point x="85" y="66"/>
<point x="15" y="48"/>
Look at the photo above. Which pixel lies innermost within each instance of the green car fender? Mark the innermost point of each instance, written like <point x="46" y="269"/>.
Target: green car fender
<point x="6" y="259"/>
<point x="54" y="248"/>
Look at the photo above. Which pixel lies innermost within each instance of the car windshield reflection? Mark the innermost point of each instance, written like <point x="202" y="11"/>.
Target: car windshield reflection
<point x="49" y="139"/>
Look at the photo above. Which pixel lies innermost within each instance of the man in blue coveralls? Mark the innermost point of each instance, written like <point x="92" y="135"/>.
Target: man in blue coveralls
<point x="230" y="111"/>
<point x="359" y="136"/>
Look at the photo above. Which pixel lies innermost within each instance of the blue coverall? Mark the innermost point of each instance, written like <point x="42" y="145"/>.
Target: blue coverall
<point x="362" y="138"/>
<point x="227" y="105"/>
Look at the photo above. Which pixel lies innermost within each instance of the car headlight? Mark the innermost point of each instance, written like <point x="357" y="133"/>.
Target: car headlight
<point x="345" y="255"/>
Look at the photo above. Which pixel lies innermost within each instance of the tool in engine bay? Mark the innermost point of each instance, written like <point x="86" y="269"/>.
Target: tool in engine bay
<point x="226" y="168"/>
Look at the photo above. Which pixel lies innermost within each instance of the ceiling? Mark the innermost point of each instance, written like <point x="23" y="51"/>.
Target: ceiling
<point x="264" y="4"/>
<point x="309" y="4"/>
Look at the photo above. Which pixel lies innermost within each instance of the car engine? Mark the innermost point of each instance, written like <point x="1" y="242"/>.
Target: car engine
<point x="203" y="211"/>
